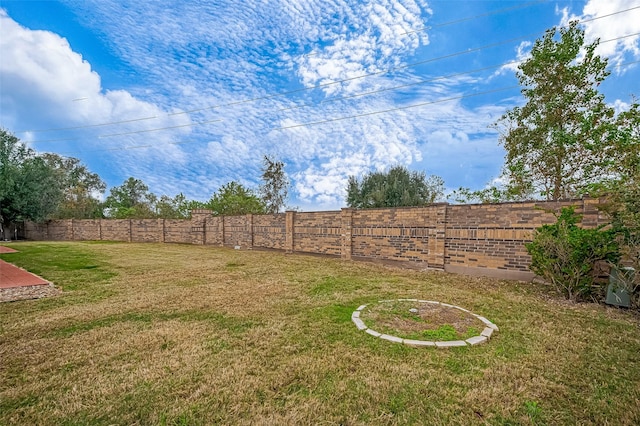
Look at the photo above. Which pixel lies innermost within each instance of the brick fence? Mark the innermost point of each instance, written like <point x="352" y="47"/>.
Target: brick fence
<point x="478" y="239"/>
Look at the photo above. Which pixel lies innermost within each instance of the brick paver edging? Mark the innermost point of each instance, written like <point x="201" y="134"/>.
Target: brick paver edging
<point x="472" y="341"/>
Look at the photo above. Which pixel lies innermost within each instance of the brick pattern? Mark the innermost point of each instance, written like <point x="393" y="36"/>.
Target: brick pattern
<point x="318" y="232"/>
<point x="269" y="231"/>
<point x="114" y="229"/>
<point x="494" y="236"/>
<point x="406" y="234"/>
<point x="237" y="231"/>
<point x="482" y="237"/>
<point x="89" y="231"/>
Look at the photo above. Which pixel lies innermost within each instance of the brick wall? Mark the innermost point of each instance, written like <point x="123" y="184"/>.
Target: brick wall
<point x="483" y="239"/>
<point x="269" y="231"/>
<point x="317" y="232"/>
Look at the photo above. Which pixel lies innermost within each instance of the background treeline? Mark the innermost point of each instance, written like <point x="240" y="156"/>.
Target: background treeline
<point x="41" y="187"/>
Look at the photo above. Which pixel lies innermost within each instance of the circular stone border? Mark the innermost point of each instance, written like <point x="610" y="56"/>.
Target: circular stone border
<point x="472" y="341"/>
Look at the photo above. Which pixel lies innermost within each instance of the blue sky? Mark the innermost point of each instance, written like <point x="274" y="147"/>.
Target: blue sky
<point x="189" y="95"/>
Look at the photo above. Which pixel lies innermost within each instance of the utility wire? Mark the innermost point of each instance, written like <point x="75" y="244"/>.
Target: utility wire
<point x="430" y="80"/>
<point x="322" y="85"/>
<point x="331" y="120"/>
<point x="132" y="132"/>
<point x="348" y="97"/>
<point x="342" y="118"/>
<point x="496" y="12"/>
<point x="470" y="18"/>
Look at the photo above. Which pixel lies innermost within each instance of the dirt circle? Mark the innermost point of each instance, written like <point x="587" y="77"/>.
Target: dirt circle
<point x="423" y="323"/>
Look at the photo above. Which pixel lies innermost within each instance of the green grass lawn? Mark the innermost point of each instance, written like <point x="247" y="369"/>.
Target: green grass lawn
<point x="189" y="335"/>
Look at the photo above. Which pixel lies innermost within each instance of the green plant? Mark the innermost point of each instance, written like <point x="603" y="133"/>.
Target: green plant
<point x="565" y="254"/>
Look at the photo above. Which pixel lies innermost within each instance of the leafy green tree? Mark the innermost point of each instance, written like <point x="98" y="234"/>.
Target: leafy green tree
<point x="275" y="187"/>
<point x="559" y="141"/>
<point x="234" y="199"/>
<point x="492" y="194"/>
<point x="29" y="189"/>
<point x="132" y="199"/>
<point x="177" y="207"/>
<point x="80" y="188"/>
<point x="625" y="155"/>
<point x="397" y="187"/>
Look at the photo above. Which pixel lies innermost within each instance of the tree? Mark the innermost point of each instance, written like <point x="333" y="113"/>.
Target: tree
<point x="130" y="200"/>
<point x="79" y="186"/>
<point x="557" y="143"/>
<point x="396" y="188"/>
<point x="275" y="187"/>
<point x="177" y="207"/>
<point x="234" y="199"/>
<point x="29" y="189"/>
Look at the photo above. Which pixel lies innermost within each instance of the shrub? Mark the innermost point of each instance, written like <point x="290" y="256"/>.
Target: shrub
<point x="565" y="254"/>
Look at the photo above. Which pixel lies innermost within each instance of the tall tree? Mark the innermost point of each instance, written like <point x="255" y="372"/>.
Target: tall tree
<point x="132" y="199"/>
<point x="275" y="187"/>
<point x="396" y="188"/>
<point x="234" y="199"/>
<point x="177" y="207"/>
<point x="557" y="143"/>
<point x="29" y="189"/>
<point x="80" y="188"/>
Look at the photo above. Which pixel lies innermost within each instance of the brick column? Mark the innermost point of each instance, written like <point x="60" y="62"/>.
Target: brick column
<point x="437" y="238"/>
<point x="347" y="240"/>
<point x="162" y="235"/>
<point x="590" y="213"/>
<point x="289" y="226"/>
<point x="249" y="228"/>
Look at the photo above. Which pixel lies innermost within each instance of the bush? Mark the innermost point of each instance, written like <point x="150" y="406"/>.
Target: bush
<point x="565" y="254"/>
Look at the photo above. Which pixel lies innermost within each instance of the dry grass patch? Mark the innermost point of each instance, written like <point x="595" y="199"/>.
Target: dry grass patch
<point x="178" y="334"/>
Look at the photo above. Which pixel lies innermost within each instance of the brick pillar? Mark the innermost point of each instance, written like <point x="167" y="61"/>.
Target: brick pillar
<point x="346" y="234"/>
<point x="590" y="213"/>
<point x="289" y="225"/>
<point x="73" y="237"/>
<point x="249" y="228"/>
<point x="437" y="237"/>
<point x="162" y="236"/>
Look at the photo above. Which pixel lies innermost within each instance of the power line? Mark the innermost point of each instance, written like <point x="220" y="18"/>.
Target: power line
<point x="470" y="18"/>
<point x="132" y="132"/>
<point x="322" y="85"/>
<point x="346" y="117"/>
<point x="331" y="120"/>
<point x="353" y="96"/>
<point x="443" y="77"/>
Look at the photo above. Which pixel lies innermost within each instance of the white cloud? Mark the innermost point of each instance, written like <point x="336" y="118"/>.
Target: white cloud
<point x="523" y="52"/>
<point x="45" y="84"/>
<point x="599" y="25"/>
<point x="227" y="59"/>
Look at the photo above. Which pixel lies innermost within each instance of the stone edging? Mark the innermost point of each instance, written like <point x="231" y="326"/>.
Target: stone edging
<point x="472" y="341"/>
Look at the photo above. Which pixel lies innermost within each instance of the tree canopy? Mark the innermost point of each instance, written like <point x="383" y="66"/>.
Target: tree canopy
<point x="397" y="187"/>
<point x="80" y="188"/>
<point x="132" y="199"/>
<point x="558" y="143"/>
<point x="234" y="199"/>
<point x="29" y="187"/>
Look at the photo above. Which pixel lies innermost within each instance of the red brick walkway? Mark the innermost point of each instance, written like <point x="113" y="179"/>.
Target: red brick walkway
<point x="11" y="276"/>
